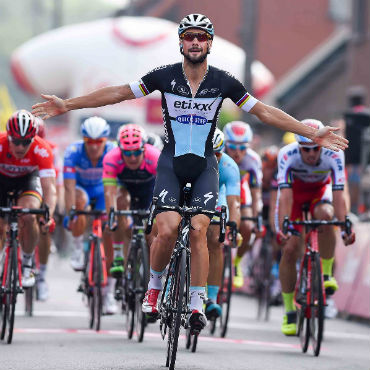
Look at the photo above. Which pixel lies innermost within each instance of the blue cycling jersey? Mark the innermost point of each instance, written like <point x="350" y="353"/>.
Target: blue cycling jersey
<point x="78" y="166"/>
<point x="229" y="179"/>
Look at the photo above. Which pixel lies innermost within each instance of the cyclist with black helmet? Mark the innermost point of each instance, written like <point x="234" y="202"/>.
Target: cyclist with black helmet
<point x="192" y="94"/>
<point x="26" y="168"/>
<point x="83" y="171"/>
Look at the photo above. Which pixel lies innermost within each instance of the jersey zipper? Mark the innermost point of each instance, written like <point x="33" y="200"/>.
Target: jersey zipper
<point x="192" y="97"/>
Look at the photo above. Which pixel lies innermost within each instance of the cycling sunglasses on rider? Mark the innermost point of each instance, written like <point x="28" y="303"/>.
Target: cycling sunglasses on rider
<point x="90" y="141"/>
<point x="233" y="146"/>
<point x="190" y="36"/>
<point x="129" y="153"/>
<point x="23" y="142"/>
<point x="307" y="149"/>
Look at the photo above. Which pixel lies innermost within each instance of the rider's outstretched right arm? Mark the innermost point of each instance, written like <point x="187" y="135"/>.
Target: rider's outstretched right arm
<point x="54" y="106"/>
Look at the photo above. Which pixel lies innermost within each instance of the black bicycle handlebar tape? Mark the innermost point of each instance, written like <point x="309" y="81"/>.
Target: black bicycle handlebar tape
<point x="111" y="219"/>
<point x="221" y="239"/>
<point x="47" y="213"/>
<point x="149" y="224"/>
<point x="72" y="214"/>
<point x="285" y="224"/>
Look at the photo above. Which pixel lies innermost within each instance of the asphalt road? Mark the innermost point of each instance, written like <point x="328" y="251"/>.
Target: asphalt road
<point x="57" y="337"/>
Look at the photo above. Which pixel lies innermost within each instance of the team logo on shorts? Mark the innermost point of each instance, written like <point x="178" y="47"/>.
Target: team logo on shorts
<point x="208" y="197"/>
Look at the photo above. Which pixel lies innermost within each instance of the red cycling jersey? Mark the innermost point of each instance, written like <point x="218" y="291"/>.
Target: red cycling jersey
<point x="38" y="157"/>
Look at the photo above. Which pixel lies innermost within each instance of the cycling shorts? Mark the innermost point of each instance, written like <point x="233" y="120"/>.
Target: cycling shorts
<point x="24" y="185"/>
<point x="174" y="173"/>
<point x="95" y="192"/>
<point x="313" y="195"/>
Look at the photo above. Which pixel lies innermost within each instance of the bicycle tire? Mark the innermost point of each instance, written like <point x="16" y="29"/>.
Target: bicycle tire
<point x="264" y="281"/>
<point x="317" y="305"/>
<point x="225" y="291"/>
<point x="142" y="279"/>
<point x="303" y="322"/>
<point x="89" y="288"/>
<point x="12" y="295"/>
<point x="130" y="291"/>
<point x="188" y="339"/>
<point x="97" y="284"/>
<point x="4" y="300"/>
<point x="176" y="304"/>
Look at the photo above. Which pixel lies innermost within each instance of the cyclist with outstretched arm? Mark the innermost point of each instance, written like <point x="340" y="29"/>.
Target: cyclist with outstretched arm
<point x="192" y="94"/>
<point x="309" y="174"/>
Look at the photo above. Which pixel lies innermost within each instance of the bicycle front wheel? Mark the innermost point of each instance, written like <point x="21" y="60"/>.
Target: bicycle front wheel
<point x="317" y="305"/>
<point x="141" y="284"/>
<point x="224" y="296"/>
<point x="176" y="306"/>
<point x="303" y="322"/>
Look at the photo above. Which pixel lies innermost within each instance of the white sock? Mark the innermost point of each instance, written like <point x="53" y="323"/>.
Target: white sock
<point x="27" y="259"/>
<point x="155" y="281"/>
<point x="42" y="272"/>
<point x="78" y="242"/>
<point x="197" y="297"/>
<point x="117" y="250"/>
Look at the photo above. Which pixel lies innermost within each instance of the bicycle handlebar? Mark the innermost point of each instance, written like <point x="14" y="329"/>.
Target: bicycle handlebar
<point x="258" y="220"/>
<point x="316" y="223"/>
<point x="93" y="212"/>
<point x="233" y="228"/>
<point x="187" y="211"/>
<point x="141" y="213"/>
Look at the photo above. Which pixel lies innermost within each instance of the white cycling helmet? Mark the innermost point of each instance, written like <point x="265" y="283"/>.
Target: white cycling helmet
<point x="238" y="132"/>
<point x="218" y="141"/>
<point x="308" y="122"/>
<point x="95" y="128"/>
<point x="155" y="140"/>
<point x="199" y="21"/>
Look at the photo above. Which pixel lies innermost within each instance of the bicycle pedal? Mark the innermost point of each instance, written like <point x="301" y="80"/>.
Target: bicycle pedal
<point x="80" y="288"/>
<point x="20" y="290"/>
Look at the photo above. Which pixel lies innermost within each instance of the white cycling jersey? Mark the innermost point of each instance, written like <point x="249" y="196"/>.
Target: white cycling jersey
<point x="291" y="167"/>
<point x="252" y="164"/>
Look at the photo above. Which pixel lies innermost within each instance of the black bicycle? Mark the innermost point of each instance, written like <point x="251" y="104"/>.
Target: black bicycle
<point x="309" y="295"/>
<point x="260" y="269"/>
<point x="11" y="264"/>
<point x="131" y="288"/>
<point x="173" y="307"/>
<point x="32" y="293"/>
<point x="94" y="275"/>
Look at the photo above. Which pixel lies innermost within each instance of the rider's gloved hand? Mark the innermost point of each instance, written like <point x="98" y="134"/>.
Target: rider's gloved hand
<point x="348" y="239"/>
<point x="47" y="227"/>
<point x="282" y="238"/>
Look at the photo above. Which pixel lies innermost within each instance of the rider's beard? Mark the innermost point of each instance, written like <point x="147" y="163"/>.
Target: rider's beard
<point x="197" y="59"/>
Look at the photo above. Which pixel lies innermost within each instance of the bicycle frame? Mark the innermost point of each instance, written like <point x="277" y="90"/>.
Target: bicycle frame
<point x="311" y="247"/>
<point x="96" y="234"/>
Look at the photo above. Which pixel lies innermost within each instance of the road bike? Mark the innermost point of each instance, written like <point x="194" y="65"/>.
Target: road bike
<point x="94" y="274"/>
<point x="174" y="303"/>
<point x="31" y="293"/>
<point x="309" y="294"/>
<point x="11" y="263"/>
<point x="131" y="288"/>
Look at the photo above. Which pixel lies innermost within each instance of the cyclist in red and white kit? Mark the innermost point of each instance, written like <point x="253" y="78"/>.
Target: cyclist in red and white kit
<point x="238" y="136"/>
<point x="26" y="167"/>
<point x="308" y="173"/>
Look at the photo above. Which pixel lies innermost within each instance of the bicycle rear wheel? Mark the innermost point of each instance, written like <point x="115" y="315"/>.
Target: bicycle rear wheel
<point x="176" y="306"/>
<point x="225" y="291"/>
<point x="141" y="284"/>
<point x="317" y="305"/>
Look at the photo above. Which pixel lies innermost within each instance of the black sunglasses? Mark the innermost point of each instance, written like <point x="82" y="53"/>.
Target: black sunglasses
<point x="23" y="142"/>
<point x="307" y="149"/>
<point x="190" y="36"/>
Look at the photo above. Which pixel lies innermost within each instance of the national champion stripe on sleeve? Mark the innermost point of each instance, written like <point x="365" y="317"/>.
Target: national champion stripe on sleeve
<point x="243" y="100"/>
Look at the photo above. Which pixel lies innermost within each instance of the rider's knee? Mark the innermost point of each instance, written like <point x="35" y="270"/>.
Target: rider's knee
<point x="324" y="211"/>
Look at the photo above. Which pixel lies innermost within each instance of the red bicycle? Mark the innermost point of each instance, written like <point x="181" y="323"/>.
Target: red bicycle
<point x="309" y="295"/>
<point x="11" y="265"/>
<point x="95" y="275"/>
